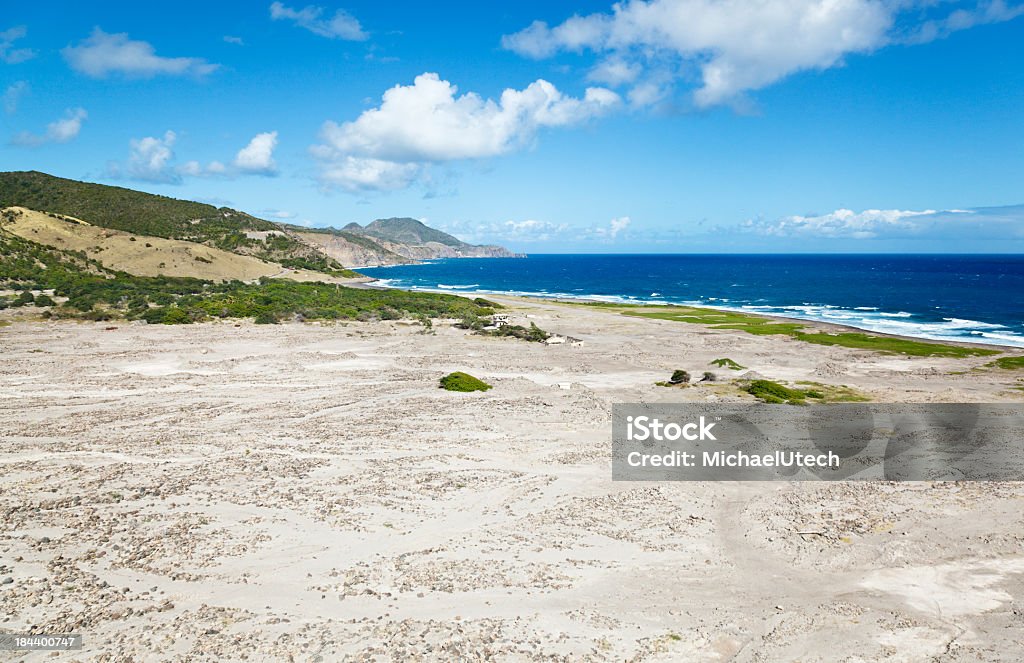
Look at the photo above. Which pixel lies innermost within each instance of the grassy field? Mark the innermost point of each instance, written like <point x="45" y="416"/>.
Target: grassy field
<point x="764" y="326"/>
<point x="1008" y="363"/>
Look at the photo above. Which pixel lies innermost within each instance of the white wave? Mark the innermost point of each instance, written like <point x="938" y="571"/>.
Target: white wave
<point x="865" y="318"/>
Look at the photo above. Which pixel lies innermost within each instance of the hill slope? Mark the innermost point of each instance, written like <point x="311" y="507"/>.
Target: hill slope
<point x="414" y="240"/>
<point x="159" y="216"/>
<point x="382" y="242"/>
<point x="405" y="231"/>
<point x="140" y="255"/>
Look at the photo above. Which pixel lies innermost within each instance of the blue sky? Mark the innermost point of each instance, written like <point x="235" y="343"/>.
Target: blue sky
<point x="655" y="125"/>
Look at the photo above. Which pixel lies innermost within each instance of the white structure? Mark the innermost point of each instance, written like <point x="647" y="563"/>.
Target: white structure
<point x="558" y="339"/>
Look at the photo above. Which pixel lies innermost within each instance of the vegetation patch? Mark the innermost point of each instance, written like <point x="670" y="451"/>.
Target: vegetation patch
<point x="763" y="326"/>
<point x="533" y="333"/>
<point x="459" y="381"/>
<point x="773" y="392"/>
<point x="832" y="393"/>
<point x="97" y="293"/>
<point x="1008" y="363"/>
<point x="725" y="362"/>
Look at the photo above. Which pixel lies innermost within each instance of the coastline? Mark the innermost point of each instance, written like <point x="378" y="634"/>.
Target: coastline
<point x="927" y="297"/>
<point x="811" y="323"/>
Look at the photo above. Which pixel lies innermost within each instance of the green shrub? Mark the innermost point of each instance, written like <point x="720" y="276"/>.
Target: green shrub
<point x="266" y="318"/>
<point x="44" y="300"/>
<point x="1008" y="363"/>
<point x="725" y="362"/>
<point x="679" y="377"/>
<point x="459" y="381"/>
<point x="24" y="299"/>
<point x="773" y="392"/>
<point x="534" y="333"/>
<point x="176" y="316"/>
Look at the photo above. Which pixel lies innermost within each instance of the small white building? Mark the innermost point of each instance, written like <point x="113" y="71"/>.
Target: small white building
<point x="500" y="320"/>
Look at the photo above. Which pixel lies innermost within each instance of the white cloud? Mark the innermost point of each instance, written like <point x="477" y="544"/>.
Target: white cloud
<point x="340" y="26"/>
<point x="982" y="223"/>
<point x="8" y="53"/>
<point x="362" y="174"/>
<point x="102" y="54"/>
<point x="843" y="223"/>
<point x="428" y="122"/>
<point x="152" y="159"/>
<point x="149" y="159"/>
<point x="63" y="130"/>
<point x="237" y="41"/>
<point x="739" y="45"/>
<point x="992" y="11"/>
<point x="531" y="230"/>
<point x="258" y="156"/>
<point x="12" y="96"/>
<point x="612" y="230"/>
<point x="615" y="71"/>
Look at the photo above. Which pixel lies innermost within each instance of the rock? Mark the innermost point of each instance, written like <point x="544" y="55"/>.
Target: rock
<point x="7" y="581"/>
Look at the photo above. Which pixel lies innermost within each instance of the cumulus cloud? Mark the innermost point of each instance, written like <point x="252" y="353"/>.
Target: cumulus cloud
<point x="63" y="130"/>
<point x="152" y="159"/>
<point x="612" y="230"/>
<point x="977" y="223"/>
<point x="841" y="223"/>
<point x="258" y="156"/>
<point x="738" y="45"/>
<point x="340" y="26"/>
<point x="387" y="147"/>
<point x="102" y="54"/>
<point x="149" y="159"/>
<point x="12" y="96"/>
<point x="8" y="53"/>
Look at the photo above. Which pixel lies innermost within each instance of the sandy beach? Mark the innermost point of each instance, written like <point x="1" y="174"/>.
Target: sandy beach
<point x="230" y="491"/>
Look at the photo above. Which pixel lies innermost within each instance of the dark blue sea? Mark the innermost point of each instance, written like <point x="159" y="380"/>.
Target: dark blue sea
<point x="946" y="297"/>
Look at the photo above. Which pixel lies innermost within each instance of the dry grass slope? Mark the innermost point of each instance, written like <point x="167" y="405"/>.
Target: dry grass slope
<point x="142" y="255"/>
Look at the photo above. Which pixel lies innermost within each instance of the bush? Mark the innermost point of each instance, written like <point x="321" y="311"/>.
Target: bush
<point x="773" y="392"/>
<point x="459" y="381"/>
<point x="679" y="377"/>
<point x="534" y="333"/>
<point x="725" y="362"/>
<point x="266" y="318"/>
<point x="24" y="299"/>
<point x="709" y="377"/>
<point x="44" y="300"/>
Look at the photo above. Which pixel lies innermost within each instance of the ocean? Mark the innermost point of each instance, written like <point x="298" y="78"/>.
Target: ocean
<point x="977" y="298"/>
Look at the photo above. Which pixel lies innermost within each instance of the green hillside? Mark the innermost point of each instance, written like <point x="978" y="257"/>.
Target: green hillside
<point x="406" y="231"/>
<point x="93" y="292"/>
<point x="159" y="216"/>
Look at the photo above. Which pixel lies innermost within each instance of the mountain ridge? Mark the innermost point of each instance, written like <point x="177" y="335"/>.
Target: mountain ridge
<point x="398" y="240"/>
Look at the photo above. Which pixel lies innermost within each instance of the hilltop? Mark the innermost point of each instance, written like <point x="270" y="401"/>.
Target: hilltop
<point x="326" y="250"/>
<point x="394" y="241"/>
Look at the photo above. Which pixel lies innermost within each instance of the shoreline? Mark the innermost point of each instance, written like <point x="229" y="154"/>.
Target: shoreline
<point x="810" y="322"/>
